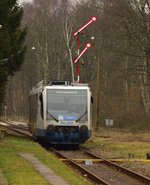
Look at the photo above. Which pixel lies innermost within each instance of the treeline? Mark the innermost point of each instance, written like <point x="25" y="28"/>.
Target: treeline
<point x="117" y="67"/>
<point x="12" y="47"/>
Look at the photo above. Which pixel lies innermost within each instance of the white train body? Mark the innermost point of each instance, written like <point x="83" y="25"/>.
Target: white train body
<point x="61" y="114"/>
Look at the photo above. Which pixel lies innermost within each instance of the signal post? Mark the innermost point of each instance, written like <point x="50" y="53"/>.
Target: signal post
<point x="88" y="45"/>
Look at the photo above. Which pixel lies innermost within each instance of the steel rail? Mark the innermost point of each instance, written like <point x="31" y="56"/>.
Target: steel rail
<point x="15" y="130"/>
<point x="141" y="178"/>
<point x="15" y="126"/>
<point x="84" y="171"/>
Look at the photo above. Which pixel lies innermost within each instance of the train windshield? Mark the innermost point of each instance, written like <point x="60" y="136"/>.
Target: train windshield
<point x="65" y="104"/>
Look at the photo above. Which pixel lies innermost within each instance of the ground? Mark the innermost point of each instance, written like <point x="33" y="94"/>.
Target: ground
<point x="116" y="144"/>
<point x="18" y="171"/>
<point x="123" y="144"/>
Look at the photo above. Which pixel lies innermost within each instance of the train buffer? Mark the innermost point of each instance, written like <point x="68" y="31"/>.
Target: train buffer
<point x="3" y="132"/>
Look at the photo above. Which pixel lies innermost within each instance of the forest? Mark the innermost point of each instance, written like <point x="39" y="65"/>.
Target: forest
<point x="116" y="67"/>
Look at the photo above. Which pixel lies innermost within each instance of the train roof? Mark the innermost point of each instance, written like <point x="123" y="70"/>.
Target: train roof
<point x="58" y="85"/>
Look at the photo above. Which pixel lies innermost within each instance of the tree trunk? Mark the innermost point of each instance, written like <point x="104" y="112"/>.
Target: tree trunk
<point x="97" y="102"/>
<point x="145" y="89"/>
<point x="14" y="96"/>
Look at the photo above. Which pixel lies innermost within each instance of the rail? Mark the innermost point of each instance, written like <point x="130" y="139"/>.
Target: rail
<point x="15" y="128"/>
<point x="84" y="171"/>
<point x="141" y="178"/>
<point x="106" y="169"/>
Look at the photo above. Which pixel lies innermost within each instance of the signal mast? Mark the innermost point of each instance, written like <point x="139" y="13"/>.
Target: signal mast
<point x="88" y="45"/>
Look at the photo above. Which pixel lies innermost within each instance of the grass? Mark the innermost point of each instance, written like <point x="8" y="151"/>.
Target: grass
<point x="19" y="172"/>
<point x="120" y="144"/>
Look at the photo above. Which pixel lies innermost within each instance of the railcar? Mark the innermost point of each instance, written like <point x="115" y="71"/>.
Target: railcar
<point x="60" y="113"/>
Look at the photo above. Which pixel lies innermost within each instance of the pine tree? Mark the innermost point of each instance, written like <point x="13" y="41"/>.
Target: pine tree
<point x="12" y="38"/>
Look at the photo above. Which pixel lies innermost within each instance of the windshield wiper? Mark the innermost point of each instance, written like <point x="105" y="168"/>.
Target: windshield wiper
<point x="53" y="116"/>
<point x="81" y="116"/>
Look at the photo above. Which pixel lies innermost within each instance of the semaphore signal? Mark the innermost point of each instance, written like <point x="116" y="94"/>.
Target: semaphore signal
<point x="93" y="19"/>
<point x="88" y="45"/>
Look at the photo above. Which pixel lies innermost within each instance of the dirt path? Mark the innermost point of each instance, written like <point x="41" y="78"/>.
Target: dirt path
<point x="48" y="174"/>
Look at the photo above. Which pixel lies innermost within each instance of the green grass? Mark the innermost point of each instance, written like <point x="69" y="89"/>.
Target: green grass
<point x="19" y="172"/>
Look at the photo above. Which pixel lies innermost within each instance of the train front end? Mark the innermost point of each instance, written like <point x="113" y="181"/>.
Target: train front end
<point x="67" y="117"/>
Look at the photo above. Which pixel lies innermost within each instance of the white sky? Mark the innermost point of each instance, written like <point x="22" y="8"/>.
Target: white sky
<point x="25" y="0"/>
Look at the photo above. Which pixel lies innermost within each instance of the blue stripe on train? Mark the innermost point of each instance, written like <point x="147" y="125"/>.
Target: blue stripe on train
<point x="63" y="138"/>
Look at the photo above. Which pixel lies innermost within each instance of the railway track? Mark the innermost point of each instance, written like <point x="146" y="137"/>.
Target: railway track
<point x="99" y="170"/>
<point x="19" y="129"/>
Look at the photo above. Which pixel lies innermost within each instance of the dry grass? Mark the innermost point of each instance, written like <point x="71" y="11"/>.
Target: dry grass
<point x="119" y="143"/>
<point x="123" y="135"/>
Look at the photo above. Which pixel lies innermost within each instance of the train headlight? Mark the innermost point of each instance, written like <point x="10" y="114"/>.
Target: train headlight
<point x="50" y="128"/>
<point x="83" y="129"/>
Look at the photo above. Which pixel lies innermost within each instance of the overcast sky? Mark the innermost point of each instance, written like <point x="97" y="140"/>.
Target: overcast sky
<point x="25" y="0"/>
